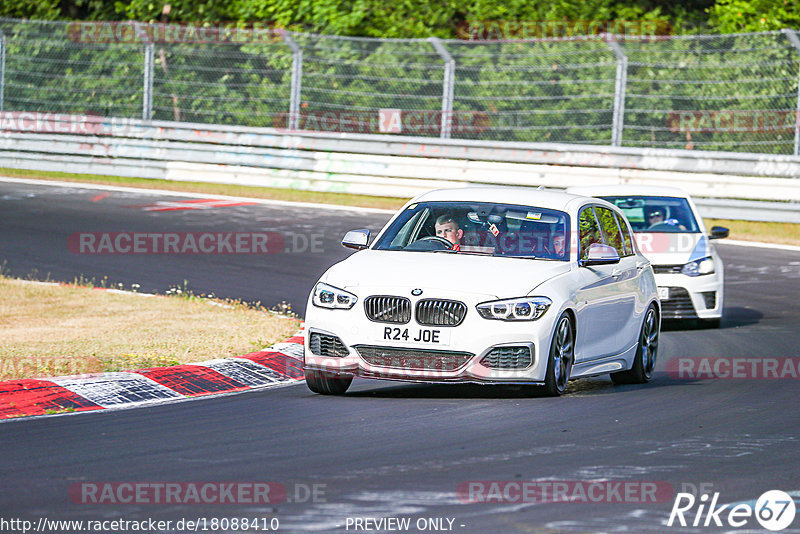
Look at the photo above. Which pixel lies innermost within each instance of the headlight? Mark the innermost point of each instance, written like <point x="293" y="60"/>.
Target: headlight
<point x="518" y="309"/>
<point x="699" y="267"/>
<point x="326" y="296"/>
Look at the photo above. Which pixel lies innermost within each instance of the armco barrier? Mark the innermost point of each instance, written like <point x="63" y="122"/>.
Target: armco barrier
<point x="765" y="187"/>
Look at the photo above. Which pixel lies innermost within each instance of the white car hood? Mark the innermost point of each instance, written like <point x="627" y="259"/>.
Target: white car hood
<point x="443" y="272"/>
<point x="673" y="248"/>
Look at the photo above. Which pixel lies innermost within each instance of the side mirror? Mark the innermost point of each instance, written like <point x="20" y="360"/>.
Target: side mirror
<point x="600" y="255"/>
<point x="719" y="232"/>
<point x="357" y="239"/>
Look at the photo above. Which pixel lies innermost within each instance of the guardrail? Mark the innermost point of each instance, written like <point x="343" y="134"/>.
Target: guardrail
<point x="765" y="187"/>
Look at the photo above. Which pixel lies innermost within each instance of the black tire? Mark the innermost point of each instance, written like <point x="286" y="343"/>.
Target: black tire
<point x="646" y="352"/>
<point x="561" y="357"/>
<point x="327" y="383"/>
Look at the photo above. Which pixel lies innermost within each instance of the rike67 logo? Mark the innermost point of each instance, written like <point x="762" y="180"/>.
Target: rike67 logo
<point x="774" y="510"/>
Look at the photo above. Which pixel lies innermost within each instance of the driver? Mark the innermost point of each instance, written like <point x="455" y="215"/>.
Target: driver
<point x="447" y="227"/>
<point x="558" y="245"/>
<point x="655" y="217"/>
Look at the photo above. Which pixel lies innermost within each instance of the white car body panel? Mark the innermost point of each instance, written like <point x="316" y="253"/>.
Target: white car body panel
<point x="608" y="302"/>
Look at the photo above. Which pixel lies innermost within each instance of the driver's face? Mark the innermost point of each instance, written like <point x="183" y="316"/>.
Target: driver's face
<point x="558" y="244"/>
<point x="450" y="231"/>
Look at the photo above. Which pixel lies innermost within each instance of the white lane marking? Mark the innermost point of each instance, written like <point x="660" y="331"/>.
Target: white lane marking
<point x="161" y="192"/>
<point x="758" y="244"/>
<point x="109" y="389"/>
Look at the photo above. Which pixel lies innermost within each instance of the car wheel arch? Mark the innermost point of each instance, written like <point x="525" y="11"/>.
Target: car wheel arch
<point x="573" y="316"/>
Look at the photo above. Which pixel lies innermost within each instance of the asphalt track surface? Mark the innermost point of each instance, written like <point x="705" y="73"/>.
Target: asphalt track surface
<point x="395" y="450"/>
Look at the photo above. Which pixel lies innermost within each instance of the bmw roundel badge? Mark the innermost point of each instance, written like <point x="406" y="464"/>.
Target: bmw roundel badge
<point x="416" y="292"/>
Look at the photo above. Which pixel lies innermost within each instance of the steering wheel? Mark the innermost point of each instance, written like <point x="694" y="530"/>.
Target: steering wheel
<point x="437" y="239"/>
<point x="660" y="227"/>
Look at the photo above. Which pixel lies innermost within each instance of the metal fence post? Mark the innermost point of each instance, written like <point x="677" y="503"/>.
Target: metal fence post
<point x="2" y="68"/>
<point x="297" y="82"/>
<point x="618" y="117"/>
<point x="147" y="91"/>
<point x="792" y="36"/>
<point x="448" y="86"/>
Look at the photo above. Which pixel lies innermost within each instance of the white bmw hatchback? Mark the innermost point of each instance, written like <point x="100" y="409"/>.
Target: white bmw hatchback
<point x="487" y="285"/>
<point x="670" y="232"/>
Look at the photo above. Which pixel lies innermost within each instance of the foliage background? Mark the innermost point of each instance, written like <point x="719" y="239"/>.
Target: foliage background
<point x="547" y="91"/>
<point x="422" y="18"/>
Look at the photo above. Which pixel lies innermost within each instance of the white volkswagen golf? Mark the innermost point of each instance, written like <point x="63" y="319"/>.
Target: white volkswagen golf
<point x="670" y="232"/>
<point x="487" y="285"/>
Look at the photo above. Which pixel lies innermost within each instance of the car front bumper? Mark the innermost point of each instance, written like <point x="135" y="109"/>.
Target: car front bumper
<point x="464" y="353"/>
<point x="697" y="297"/>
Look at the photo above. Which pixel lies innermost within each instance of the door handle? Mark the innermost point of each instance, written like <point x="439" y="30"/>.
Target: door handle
<point x="641" y="265"/>
<point x="616" y="273"/>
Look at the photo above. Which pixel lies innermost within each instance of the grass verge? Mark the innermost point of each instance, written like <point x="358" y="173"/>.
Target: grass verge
<point x="783" y="233"/>
<point x="54" y="329"/>
<point x="766" y="232"/>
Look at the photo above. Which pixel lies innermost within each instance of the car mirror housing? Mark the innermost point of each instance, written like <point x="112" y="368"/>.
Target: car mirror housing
<point x="356" y="239"/>
<point x="600" y="255"/>
<point x="719" y="232"/>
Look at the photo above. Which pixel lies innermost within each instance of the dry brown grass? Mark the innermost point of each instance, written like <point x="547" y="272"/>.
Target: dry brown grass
<point x="767" y="232"/>
<point x="51" y="330"/>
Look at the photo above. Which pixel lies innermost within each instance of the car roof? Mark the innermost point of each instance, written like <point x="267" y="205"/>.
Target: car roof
<point x="628" y="189"/>
<point x="558" y="200"/>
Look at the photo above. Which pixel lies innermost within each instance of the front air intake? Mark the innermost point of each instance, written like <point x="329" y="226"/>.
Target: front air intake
<point x="327" y="346"/>
<point x="508" y="358"/>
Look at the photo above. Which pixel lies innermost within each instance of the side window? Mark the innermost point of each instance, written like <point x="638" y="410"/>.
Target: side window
<point x="626" y="235"/>
<point x="589" y="231"/>
<point x="610" y="228"/>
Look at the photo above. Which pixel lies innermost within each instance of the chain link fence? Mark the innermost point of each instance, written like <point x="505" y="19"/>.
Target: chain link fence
<point x="707" y="92"/>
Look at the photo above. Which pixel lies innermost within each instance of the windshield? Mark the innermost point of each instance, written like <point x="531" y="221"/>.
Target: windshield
<point x="657" y="214"/>
<point x="479" y="228"/>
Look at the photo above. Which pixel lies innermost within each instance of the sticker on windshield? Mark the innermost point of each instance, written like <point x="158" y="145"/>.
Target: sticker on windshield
<point x="412" y="206"/>
<point x="533" y="215"/>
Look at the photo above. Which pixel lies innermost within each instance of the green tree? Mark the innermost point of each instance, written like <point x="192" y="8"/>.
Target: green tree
<point x="730" y="16"/>
<point x="25" y="9"/>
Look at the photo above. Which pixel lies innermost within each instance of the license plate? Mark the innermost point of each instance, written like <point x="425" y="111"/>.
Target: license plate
<point x="414" y="336"/>
<point x="663" y="293"/>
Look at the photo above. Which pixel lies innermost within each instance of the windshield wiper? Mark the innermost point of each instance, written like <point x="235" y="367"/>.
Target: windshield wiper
<point x="471" y="252"/>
